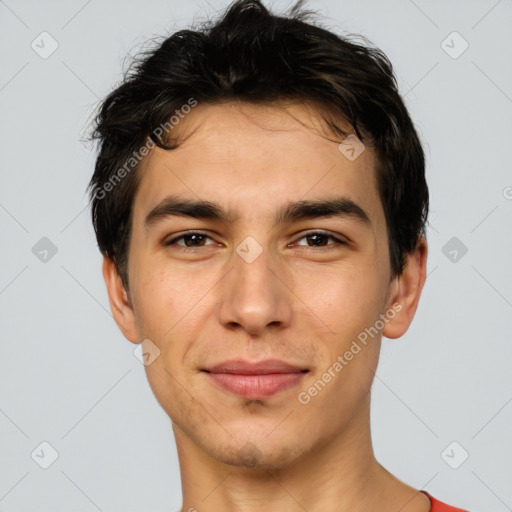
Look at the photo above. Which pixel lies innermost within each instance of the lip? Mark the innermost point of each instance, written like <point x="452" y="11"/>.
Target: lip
<point x="255" y="380"/>
<point x="243" y="367"/>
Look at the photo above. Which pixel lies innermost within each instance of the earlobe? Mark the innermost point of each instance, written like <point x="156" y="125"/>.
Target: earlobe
<point x="406" y="291"/>
<point x="120" y="305"/>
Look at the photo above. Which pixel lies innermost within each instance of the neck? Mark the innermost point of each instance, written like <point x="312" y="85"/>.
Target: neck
<point x="341" y="474"/>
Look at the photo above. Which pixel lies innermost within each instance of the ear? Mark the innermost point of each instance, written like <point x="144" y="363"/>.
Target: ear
<point x="120" y="303"/>
<point x="405" y="290"/>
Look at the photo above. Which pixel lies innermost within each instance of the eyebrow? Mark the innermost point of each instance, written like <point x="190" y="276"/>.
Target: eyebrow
<point x="341" y="207"/>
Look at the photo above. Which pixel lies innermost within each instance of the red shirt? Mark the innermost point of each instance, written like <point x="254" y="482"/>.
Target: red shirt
<point x="439" y="506"/>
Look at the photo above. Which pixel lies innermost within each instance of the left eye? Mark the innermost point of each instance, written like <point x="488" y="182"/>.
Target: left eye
<point x="317" y="237"/>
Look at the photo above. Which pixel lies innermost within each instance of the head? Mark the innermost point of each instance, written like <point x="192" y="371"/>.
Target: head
<point x="289" y="153"/>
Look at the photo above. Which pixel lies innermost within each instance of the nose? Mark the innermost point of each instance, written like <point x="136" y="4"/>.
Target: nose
<point x="254" y="294"/>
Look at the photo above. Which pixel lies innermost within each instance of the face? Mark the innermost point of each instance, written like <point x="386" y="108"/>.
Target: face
<point x="248" y="287"/>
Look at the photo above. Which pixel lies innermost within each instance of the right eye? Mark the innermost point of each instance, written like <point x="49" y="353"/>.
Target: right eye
<point x="195" y="237"/>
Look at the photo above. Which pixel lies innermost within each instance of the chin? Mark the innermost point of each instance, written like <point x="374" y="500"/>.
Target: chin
<point x="253" y="454"/>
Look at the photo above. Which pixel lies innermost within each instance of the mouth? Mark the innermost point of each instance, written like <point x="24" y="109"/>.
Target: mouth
<point x="253" y="380"/>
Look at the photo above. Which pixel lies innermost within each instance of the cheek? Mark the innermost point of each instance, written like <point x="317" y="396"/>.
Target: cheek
<point x="170" y="309"/>
<point x="174" y="400"/>
<point x="162" y="298"/>
<point x="347" y="299"/>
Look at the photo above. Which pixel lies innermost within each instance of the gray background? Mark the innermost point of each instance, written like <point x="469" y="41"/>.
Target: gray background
<point x="68" y="377"/>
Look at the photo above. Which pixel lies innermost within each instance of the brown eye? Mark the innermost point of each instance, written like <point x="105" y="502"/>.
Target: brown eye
<point x="192" y="239"/>
<point x="319" y="239"/>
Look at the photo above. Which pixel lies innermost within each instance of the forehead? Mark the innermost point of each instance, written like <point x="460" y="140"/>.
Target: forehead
<point x="252" y="158"/>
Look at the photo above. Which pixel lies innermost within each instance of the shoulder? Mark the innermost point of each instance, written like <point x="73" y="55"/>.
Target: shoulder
<point x="439" y="506"/>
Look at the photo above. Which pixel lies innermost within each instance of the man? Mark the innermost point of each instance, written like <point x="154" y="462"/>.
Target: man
<point x="260" y="201"/>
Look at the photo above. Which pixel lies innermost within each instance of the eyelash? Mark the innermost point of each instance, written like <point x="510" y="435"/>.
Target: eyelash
<point x="305" y="235"/>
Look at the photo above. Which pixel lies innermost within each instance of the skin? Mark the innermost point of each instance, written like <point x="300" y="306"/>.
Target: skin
<point x="294" y="302"/>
